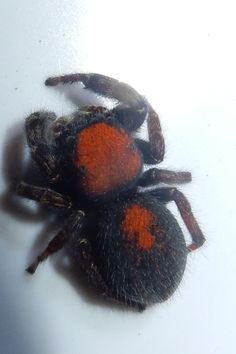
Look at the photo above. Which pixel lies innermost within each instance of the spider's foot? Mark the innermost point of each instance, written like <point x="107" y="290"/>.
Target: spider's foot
<point x="52" y="81"/>
<point x="32" y="268"/>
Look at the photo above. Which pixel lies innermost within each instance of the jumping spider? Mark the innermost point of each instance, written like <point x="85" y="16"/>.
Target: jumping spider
<point x="128" y="243"/>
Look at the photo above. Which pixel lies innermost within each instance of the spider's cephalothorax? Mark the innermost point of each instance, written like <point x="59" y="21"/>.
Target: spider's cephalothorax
<point x="103" y="156"/>
<point x="129" y="244"/>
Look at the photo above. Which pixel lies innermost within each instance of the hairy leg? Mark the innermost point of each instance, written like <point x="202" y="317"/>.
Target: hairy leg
<point x="153" y="150"/>
<point x="72" y="225"/>
<point x="45" y="196"/>
<point x="173" y="194"/>
<point x="102" y="85"/>
<point x="156" y="139"/>
<point x="131" y="117"/>
<point x="89" y="267"/>
<point x="41" y="142"/>
<point x="132" y="108"/>
<point x="131" y="112"/>
<point x="155" y="175"/>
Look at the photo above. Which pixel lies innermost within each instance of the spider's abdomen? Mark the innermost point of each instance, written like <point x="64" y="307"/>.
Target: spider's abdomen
<point x="108" y="158"/>
<point x="140" y="250"/>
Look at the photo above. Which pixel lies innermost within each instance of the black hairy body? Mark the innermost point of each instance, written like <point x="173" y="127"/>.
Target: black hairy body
<point x="127" y="242"/>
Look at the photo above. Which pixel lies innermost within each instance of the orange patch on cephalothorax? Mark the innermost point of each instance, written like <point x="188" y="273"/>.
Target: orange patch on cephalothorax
<point x="137" y="225"/>
<point x="108" y="157"/>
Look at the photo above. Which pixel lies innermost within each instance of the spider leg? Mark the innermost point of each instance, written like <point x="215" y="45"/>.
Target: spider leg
<point x="89" y="267"/>
<point x="102" y="85"/>
<point x="44" y="196"/>
<point x="131" y="117"/>
<point x="132" y="108"/>
<point x="42" y="144"/>
<point x="153" y="150"/>
<point x="173" y="194"/>
<point x="131" y="112"/>
<point x="73" y="225"/>
<point x="155" y="175"/>
<point x="156" y="139"/>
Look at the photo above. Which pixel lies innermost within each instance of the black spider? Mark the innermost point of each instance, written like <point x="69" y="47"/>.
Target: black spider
<point x="128" y="242"/>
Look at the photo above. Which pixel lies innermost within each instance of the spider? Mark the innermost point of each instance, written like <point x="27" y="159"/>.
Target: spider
<point x="128" y="243"/>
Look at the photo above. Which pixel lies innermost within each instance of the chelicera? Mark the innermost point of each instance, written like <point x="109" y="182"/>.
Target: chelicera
<point x="128" y="243"/>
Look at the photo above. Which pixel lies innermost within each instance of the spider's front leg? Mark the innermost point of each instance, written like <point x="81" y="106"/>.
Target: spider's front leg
<point x="153" y="150"/>
<point x="132" y="108"/>
<point x="102" y="85"/>
<point x="131" y="111"/>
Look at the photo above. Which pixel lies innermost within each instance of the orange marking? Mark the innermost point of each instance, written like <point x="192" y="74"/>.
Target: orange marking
<point x="137" y="224"/>
<point x="108" y="156"/>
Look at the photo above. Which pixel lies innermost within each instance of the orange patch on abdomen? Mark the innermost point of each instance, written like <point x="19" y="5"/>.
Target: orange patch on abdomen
<point x="108" y="157"/>
<point x="137" y="224"/>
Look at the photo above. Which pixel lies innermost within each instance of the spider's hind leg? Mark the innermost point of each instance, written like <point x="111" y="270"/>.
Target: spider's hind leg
<point x="173" y="194"/>
<point x="72" y="226"/>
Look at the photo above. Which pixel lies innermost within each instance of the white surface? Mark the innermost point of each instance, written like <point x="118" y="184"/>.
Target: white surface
<point x="181" y="55"/>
